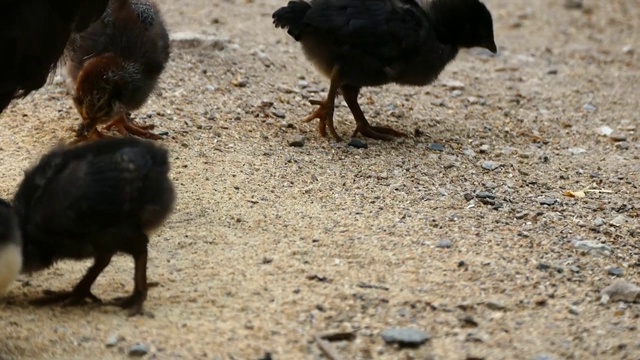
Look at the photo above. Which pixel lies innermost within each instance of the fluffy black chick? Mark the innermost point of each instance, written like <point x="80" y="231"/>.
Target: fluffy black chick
<point x="10" y="247"/>
<point x="115" y="65"/>
<point x="33" y="36"/>
<point x="359" y="43"/>
<point x="93" y="201"/>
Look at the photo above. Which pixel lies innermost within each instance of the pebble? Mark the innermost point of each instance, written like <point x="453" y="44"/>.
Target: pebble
<point x="576" y="151"/>
<point x="618" y="221"/>
<point x="604" y="130"/>
<point x="548" y="201"/>
<point x="620" y="291"/>
<point x="615" y="271"/>
<point x="495" y="305"/>
<point x="456" y="93"/>
<point x="485" y="195"/>
<point x="357" y="143"/>
<point x="278" y="113"/>
<point x="453" y="84"/>
<point x="627" y="49"/>
<point x="624" y="145"/>
<point x="113" y="340"/>
<point x="297" y="141"/>
<point x="588" y="107"/>
<point x="522" y="215"/>
<point x="490" y="165"/>
<point x="592" y="247"/>
<point x="436" y="147"/>
<point x="618" y="137"/>
<point x="303" y="84"/>
<point x="543" y="357"/>
<point x="444" y="244"/>
<point x="598" y="221"/>
<point x="574" y="269"/>
<point x="138" y="350"/>
<point x="405" y="337"/>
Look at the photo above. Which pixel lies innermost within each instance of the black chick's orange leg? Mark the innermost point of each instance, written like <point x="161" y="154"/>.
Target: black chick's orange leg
<point x="135" y="301"/>
<point x="363" y="127"/>
<point x="82" y="291"/>
<point x="89" y="133"/>
<point x="324" y="112"/>
<point x="125" y="127"/>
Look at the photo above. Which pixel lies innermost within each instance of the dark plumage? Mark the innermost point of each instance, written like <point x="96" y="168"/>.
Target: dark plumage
<point x="33" y="35"/>
<point x="93" y="201"/>
<point x="359" y="43"/>
<point x="10" y="246"/>
<point x="115" y="65"/>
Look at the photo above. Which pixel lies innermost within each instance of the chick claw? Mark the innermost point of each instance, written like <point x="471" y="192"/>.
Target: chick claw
<point x="325" y="114"/>
<point x="125" y="128"/>
<point x="133" y="303"/>
<point x="377" y="132"/>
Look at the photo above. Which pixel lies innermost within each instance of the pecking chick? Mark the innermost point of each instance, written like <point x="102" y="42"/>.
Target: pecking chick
<point x="115" y="65"/>
<point x="359" y="43"/>
<point x="93" y="201"/>
<point x="10" y="247"/>
<point x="33" y="36"/>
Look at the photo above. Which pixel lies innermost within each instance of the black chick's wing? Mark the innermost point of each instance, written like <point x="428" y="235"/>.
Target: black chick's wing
<point x="381" y="30"/>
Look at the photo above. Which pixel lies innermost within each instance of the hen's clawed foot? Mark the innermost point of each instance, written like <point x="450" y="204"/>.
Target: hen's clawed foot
<point x="125" y="127"/>
<point x="324" y="113"/>
<point x="67" y="298"/>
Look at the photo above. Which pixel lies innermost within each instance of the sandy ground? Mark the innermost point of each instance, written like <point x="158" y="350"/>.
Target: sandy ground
<point x="270" y="245"/>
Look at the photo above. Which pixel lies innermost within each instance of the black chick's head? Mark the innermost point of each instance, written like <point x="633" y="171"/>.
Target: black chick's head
<point x="99" y="88"/>
<point x="465" y="23"/>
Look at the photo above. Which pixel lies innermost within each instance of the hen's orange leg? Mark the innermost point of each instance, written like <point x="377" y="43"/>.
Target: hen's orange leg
<point x="125" y="127"/>
<point x="324" y="112"/>
<point x="363" y="127"/>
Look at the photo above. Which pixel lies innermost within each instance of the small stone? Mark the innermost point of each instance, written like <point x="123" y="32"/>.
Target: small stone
<point x="618" y="137"/>
<point x="456" y="93"/>
<point x="444" y="244"/>
<point x="543" y="357"/>
<point x="303" y="84"/>
<point x="357" y="143"/>
<point x="622" y="145"/>
<point x="574" y="269"/>
<point x="598" y="221"/>
<point x="604" y="130"/>
<point x="522" y="215"/>
<point x="484" y="149"/>
<point x="278" y="113"/>
<point x="627" y="49"/>
<point x="490" y="165"/>
<point x="588" y="107"/>
<point x="543" y="266"/>
<point x="453" y="84"/>
<point x="548" y="201"/>
<point x="618" y="221"/>
<point x="573" y="5"/>
<point x="297" y="141"/>
<point x="408" y="337"/>
<point x="240" y="82"/>
<point x="592" y="247"/>
<point x="615" y="271"/>
<point x="485" y="195"/>
<point x="436" y="147"/>
<point x="573" y="310"/>
<point x="113" y="340"/>
<point x="576" y="151"/>
<point x="468" y="196"/>
<point x="495" y="305"/>
<point x="138" y="350"/>
<point x="620" y="291"/>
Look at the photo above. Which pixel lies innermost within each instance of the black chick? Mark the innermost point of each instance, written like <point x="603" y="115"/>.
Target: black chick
<point x="358" y="43"/>
<point x="115" y="65"/>
<point x="93" y="201"/>
<point x="10" y="247"/>
<point x="33" y="36"/>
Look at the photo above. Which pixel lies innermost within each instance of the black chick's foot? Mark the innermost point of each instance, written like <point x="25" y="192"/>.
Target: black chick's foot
<point x="324" y="113"/>
<point x="126" y="127"/>
<point x="132" y="302"/>
<point x="66" y="298"/>
<point x="88" y="137"/>
<point x="377" y="132"/>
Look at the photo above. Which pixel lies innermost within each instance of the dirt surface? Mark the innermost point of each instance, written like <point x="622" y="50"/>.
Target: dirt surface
<point x="270" y="245"/>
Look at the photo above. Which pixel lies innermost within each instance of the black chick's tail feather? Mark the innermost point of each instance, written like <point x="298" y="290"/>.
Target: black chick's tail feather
<point x="291" y="17"/>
